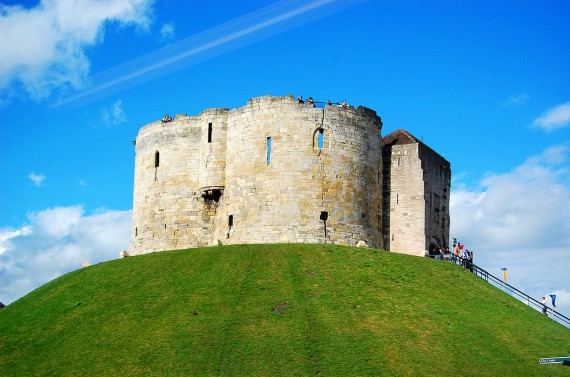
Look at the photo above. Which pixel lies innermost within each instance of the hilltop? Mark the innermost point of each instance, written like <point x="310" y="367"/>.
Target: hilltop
<point x="267" y="310"/>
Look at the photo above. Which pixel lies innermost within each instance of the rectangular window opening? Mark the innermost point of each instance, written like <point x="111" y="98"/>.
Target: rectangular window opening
<point x="268" y="150"/>
<point x="209" y="132"/>
<point x="323" y="218"/>
<point x="156" y="159"/>
<point x="230" y="225"/>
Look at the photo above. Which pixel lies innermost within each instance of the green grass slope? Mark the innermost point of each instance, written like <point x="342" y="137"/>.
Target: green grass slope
<point x="275" y="310"/>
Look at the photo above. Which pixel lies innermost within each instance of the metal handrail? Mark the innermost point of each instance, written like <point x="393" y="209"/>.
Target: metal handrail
<point x="523" y="297"/>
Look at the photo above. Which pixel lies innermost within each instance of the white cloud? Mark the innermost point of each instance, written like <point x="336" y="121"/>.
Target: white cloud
<point x="167" y="31"/>
<point x="115" y="115"/>
<point x="43" y="48"/>
<point x="37" y="179"/>
<point x="555" y="118"/>
<point x="56" y="241"/>
<point x="521" y="220"/>
<point x="237" y="33"/>
<point x="516" y="100"/>
<point x="6" y="234"/>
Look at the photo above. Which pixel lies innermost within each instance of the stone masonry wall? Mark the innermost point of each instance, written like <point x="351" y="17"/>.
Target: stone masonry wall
<point x="419" y="182"/>
<point x="437" y="183"/>
<point x="167" y="204"/>
<point x="213" y="184"/>
<point x="407" y="205"/>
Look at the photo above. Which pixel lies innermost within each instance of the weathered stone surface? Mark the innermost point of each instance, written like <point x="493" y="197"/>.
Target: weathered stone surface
<point x="277" y="171"/>
<point x="197" y="175"/>
<point x="417" y="182"/>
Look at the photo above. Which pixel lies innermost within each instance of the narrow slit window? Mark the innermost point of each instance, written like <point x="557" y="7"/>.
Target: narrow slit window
<point x="269" y="150"/>
<point x="156" y="159"/>
<point x="230" y="225"/>
<point x="209" y="132"/>
<point x="321" y="141"/>
<point x="324" y="217"/>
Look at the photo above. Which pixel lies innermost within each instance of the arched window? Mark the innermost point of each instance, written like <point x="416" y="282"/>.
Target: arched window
<point x="321" y="142"/>
<point x="156" y="159"/>
<point x="319" y="138"/>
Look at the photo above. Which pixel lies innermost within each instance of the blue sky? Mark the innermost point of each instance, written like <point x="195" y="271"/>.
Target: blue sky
<point x="484" y="83"/>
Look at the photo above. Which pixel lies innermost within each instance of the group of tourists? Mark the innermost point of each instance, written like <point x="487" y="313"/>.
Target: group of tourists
<point x="543" y="303"/>
<point x="311" y="102"/>
<point x="462" y="256"/>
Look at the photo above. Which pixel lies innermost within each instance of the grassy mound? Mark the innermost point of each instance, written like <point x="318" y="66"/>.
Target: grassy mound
<point x="268" y="310"/>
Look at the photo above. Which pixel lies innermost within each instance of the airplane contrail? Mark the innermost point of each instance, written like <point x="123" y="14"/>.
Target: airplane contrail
<point x="221" y="39"/>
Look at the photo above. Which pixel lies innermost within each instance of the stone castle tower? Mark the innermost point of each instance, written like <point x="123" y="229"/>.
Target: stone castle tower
<point x="272" y="171"/>
<point x="417" y="181"/>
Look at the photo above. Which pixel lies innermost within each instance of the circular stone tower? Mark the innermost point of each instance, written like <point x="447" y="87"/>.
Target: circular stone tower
<point x="272" y="171"/>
